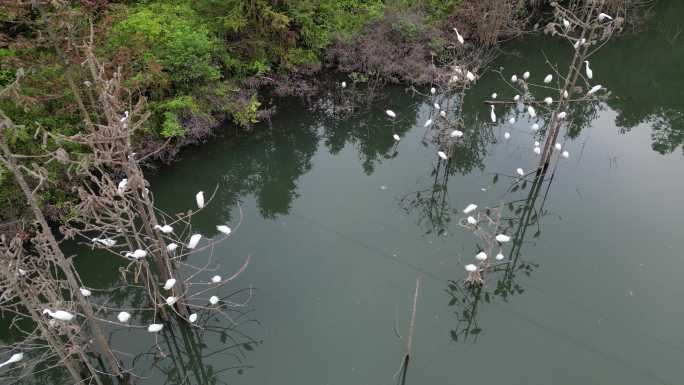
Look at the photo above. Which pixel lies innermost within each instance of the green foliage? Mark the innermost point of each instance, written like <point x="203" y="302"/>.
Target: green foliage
<point x="171" y="127"/>
<point x="247" y="114"/>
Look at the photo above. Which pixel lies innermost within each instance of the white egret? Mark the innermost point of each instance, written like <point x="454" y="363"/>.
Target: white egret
<point x="494" y="95"/>
<point x="166" y="229"/>
<point x="536" y="143"/>
<point x="172" y="247"/>
<point x="471" y="220"/>
<point x="511" y="120"/>
<point x="558" y="146"/>
<point x="535" y="127"/>
<point x="603" y="16"/>
<point x="531" y="111"/>
<point x="436" y="105"/>
<point x="442" y="114"/>
<point x="154" y="328"/>
<point x="433" y="90"/>
<point x="60" y="315"/>
<point x="442" y="155"/>
<point x="594" y="89"/>
<point x="456" y="134"/>
<point x="499" y="257"/>
<point x="344" y="84"/>
<point x="171" y="300"/>
<point x="566" y="94"/>
<point x="519" y="171"/>
<point x="565" y="154"/>
<point x="481" y="256"/>
<point x="427" y="123"/>
<point x="503" y="238"/>
<point x="214" y="300"/>
<point x="122" y="186"/>
<point x="137" y="254"/>
<point x="169" y="284"/>
<point x="459" y="37"/>
<point x="391" y="114"/>
<point x="590" y="73"/>
<point x="199" y="197"/>
<point x="21" y="271"/>
<point x="216" y="279"/>
<point x="85" y="292"/>
<point x="577" y="44"/>
<point x="194" y="240"/>
<point x="454" y="79"/>
<point x="492" y="115"/>
<point x="562" y="115"/>
<point x="548" y="100"/>
<point x="16" y="357"/>
<point x="108" y="242"/>
<point x="470" y="208"/>
<point x="526" y="75"/>
<point x="123" y="317"/>
<point x="516" y="98"/>
<point x="507" y="135"/>
<point x="548" y="78"/>
<point x="537" y="150"/>
<point x="396" y="138"/>
<point x="566" y="23"/>
<point x="470" y="76"/>
<point x="470" y="268"/>
<point x="514" y="78"/>
<point x="192" y="318"/>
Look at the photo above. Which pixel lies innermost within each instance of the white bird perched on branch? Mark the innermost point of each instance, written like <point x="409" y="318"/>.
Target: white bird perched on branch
<point x="194" y="240"/>
<point x="566" y="23"/>
<point x="536" y="143"/>
<point x="60" y="315"/>
<point x="85" y="292"/>
<point x="344" y="84"/>
<point x="503" y="238"/>
<point x="224" y="229"/>
<point x="427" y="123"/>
<point x="470" y="208"/>
<point x="499" y="257"/>
<point x="172" y="247"/>
<point x="192" y="318"/>
<point x="492" y="115"/>
<point x="537" y="150"/>
<point x="171" y="300"/>
<point x="137" y="254"/>
<point x="481" y="256"/>
<point x="548" y="100"/>
<point x="154" y="328"/>
<point x="562" y="115"/>
<point x="514" y="79"/>
<point x="123" y="317"/>
<point x="516" y="98"/>
<point x="565" y="154"/>
<point x="603" y="16"/>
<point x="456" y="134"/>
<point x="199" y="197"/>
<point x="507" y="135"/>
<point x="531" y="111"/>
<point x="526" y="75"/>
<point x="535" y="127"/>
<point x="470" y="268"/>
<point x="396" y="138"/>
<point x="16" y="357"/>
<point x="594" y="89"/>
<point x="470" y="76"/>
<point x="579" y="43"/>
<point x="433" y="90"/>
<point x="166" y="229"/>
<point x="471" y="220"/>
<point x="169" y="284"/>
<point x="494" y="95"/>
<point x="216" y="279"/>
<point x="391" y="114"/>
<point x="459" y="37"/>
<point x="442" y="155"/>
<point x="511" y="120"/>
<point x="558" y="146"/>
<point x="122" y="186"/>
<point x="548" y="78"/>
<point x="213" y="300"/>
<point x="442" y="114"/>
<point x="108" y="242"/>
<point x="590" y="73"/>
<point x="520" y="171"/>
<point x="436" y="105"/>
<point x="566" y="94"/>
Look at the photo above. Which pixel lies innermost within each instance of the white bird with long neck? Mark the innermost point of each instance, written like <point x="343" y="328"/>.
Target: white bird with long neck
<point x="589" y="72"/>
<point x="199" y="198"/>
<point x="603" y="16"/>
<point x="194" y="241"/>
<point x="16" y="357"/>
<point x="59" y="315"/>
<point x="459" y="37"/>
<point x="137" y="254"/>
<point x="391" y="114"/>
<point x="123" y="317"/>
<point x="470" y="208"/>
<point x="594" y="89"/>
<point x="154" y="328"/>
<point x="548" y="79"/>
<point x="492" y="115"/>
<point x="442" y="155"/>
<point x="166" y="229"/>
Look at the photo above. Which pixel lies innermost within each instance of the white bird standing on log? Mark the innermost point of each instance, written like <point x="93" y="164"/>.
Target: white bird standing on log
<point x="590" y="73"/>
<point x="194" y="240"/>
<point x="60" y="315"/>
<point x="459" y="37"/>
<point x="492" y="115"/>
<point x="200" y="199"/>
